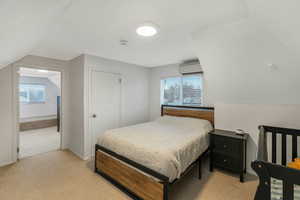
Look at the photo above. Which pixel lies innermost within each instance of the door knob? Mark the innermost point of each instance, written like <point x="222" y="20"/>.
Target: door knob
<point x="94" y="115"/>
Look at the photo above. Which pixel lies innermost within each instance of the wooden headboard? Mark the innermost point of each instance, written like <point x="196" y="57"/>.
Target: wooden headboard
<point x="206" y="113"/>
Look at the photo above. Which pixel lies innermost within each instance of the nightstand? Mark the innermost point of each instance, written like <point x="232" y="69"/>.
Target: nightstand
<point x="228" y="151"/>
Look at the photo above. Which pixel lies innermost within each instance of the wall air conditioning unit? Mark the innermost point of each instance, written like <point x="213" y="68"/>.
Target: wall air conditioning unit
<point x="190" y="67"/>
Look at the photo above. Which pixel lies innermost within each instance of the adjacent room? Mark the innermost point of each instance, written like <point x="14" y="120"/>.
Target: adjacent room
<point x="39" y="111"/>
<point x="149" y="100"/>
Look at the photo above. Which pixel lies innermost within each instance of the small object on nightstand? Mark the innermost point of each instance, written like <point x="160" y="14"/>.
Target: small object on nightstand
<point x="229" y="151"/>
<point x="240" y="132"/>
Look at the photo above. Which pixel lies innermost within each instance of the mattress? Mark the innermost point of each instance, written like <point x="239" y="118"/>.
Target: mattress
<point x="167" y="145"/>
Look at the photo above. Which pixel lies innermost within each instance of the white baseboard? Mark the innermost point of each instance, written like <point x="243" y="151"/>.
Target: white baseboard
<point x="4" y="163"/>
<point x="77" y="154"/>
<point x="86" y="157"/>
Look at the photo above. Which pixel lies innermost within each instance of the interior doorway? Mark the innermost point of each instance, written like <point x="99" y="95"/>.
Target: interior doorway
<point x="39" y="94"/>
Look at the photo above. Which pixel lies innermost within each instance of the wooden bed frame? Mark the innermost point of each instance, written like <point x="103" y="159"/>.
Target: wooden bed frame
<point x="136" y="180"/>
<point x="266" y="170"/>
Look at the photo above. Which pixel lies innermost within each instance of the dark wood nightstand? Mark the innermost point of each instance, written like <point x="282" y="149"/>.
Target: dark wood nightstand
<point x="228" y="151"/>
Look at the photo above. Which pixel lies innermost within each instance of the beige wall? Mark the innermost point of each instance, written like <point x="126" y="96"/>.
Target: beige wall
<point x="244" y="88"/>
<point x="239" y="81"/>
<point x="76" y="135"/>
<point x="6" y="117"/>
<point x="9" y="108"/>
<point x="76" y="92"/>
<point x="236" y="61"/>
<point x="135" y="92"/>
<point x="156" y="74"/>
<point x="60" y="65"/>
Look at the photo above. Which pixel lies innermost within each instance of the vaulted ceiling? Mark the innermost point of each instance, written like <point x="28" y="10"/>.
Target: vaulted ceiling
<point x="64" y="29"/>
<point x="24" y="24"/>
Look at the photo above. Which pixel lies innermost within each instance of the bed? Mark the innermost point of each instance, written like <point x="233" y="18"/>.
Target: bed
<point x="276" y="181"/>
<point x="144" y="160"/>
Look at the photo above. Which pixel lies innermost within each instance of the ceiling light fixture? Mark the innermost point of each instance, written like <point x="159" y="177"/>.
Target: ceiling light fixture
<point x="147" y="30"/>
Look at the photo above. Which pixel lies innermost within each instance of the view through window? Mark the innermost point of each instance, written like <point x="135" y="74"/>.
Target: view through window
<point x="184" y="90"/>
<point x="32" y="93"/>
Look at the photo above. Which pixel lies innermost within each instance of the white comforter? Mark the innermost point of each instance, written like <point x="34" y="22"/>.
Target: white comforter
<point x="167" y="145"/>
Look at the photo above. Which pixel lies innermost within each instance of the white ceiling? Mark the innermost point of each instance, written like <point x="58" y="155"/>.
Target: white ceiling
<point x="96" y="27"/>
<point x="64" y="29"/>
<point x="53" y="76"/>
<point x="23" y="24"/>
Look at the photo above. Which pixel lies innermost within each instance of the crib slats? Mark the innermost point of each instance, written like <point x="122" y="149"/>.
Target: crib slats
<point x="288" y="190"/>
<point x="274" y="151"/>
<point x="283" y="161"/>
<point x="288" y="176"/>
<point x="295" y="147"/>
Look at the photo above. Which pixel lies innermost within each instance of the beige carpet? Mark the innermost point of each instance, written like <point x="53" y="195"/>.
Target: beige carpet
<point x="38" y="141"/>
<point x="60" y="175"/>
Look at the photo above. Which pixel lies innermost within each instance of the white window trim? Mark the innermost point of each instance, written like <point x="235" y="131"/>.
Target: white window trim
<point x="181" y="95"/>
<point x="28" y="97"/>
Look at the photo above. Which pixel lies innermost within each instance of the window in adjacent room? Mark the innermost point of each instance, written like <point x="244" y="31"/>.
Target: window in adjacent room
<point x="183" y="90"/>
<point x="32" y="93"/>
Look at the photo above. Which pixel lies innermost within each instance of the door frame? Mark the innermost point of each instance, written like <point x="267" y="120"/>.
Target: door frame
<point x="89" y="131"/>
<point x="16" y="107"/>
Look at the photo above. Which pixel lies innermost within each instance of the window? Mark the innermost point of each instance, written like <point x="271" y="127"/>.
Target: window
<point x="185" y="90"/>
<point x="32" y="93"/>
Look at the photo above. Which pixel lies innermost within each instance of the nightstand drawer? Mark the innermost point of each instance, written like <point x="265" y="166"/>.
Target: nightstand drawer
<point x="226" y="145"/>
<point x="228" y="151"/>
<point x="225" y="161"/>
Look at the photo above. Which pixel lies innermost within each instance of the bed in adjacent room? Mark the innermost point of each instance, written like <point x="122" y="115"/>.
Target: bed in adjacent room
<point x="145" y="159"/>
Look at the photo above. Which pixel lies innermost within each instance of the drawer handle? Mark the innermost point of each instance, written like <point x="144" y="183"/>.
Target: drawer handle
<point x="225" y="161"/>
<point x="225" y="146"/>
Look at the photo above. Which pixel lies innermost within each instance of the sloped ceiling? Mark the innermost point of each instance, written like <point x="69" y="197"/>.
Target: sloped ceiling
<point x="280" y="18"/>
<point x="63" y="29"/>
<point x="53" y="76"/>
<point x="23" y="24"/>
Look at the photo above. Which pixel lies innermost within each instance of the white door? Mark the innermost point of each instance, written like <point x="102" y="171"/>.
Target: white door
<point x="105" y="103"/>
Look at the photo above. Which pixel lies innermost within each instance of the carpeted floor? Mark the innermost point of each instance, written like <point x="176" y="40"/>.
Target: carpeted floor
<point x="38" y="141"/>
<point x="60" y="175"/>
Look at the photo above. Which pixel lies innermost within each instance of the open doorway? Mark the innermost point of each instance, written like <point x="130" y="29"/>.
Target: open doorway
<point x="39" y="111"/>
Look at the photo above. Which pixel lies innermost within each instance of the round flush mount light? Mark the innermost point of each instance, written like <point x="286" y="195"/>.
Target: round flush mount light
<point x="147" y="30"/>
